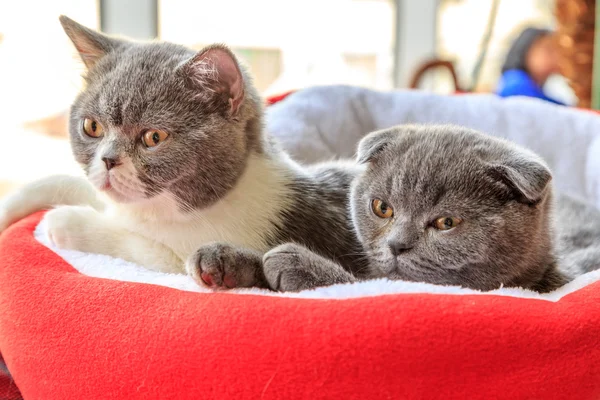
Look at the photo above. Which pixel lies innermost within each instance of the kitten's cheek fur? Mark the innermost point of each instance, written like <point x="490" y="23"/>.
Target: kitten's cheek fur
<point x="97" y="173"/>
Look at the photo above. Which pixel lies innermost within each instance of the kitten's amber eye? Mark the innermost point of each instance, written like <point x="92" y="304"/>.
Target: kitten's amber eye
<point x="154" y="137"/>
<point x="446" y="223"/>
<point x="92" y="128"/>
<point x="381" y="209"/>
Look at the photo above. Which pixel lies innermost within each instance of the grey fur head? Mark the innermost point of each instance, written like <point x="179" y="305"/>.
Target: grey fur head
<point x="205" y="102"/>
<point x="499" y="196"/>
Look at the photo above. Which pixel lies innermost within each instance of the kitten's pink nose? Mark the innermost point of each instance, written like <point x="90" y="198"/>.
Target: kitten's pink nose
<point x="110" y="162"/>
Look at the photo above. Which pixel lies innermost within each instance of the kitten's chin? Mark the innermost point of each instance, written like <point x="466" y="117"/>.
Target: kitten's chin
<point x="114" y="194"/>
<point x="117" y="197"/>
<point x="114" y="189"/>
<point x="383" y="267"/>
<point x="402" y="268"/>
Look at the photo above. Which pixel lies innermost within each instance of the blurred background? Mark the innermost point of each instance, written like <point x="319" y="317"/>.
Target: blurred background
<point x="435" y="45"/>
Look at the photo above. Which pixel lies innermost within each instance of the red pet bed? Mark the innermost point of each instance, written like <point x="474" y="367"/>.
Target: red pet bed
<point x="65" y="335"/>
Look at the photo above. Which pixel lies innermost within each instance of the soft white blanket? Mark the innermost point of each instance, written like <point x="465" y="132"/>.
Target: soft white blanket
<point x="327" y="122"/>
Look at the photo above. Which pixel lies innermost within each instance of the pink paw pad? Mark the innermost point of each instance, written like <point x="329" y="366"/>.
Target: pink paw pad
<point x="207" y="279"/>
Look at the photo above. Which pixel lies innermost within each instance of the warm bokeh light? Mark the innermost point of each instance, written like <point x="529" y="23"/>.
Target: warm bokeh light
<point x="294" y="43"/>
<point x="39" y="76"/>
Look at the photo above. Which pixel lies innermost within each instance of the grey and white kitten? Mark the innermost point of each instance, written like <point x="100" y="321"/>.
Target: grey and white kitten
<point x="173" y="146"/>
<point x="452" y="206"/>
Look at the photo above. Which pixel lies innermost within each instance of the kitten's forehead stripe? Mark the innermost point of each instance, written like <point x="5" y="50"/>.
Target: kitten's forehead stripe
<point x="439" y="193"/>
<point x="114" y="110"/>
<point x="418" y="175"/>
<point x="389" y="184"/>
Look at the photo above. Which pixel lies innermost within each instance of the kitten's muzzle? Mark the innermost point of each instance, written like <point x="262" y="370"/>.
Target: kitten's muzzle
<point x="111" y="162"/>
<point x="398" y="247"/>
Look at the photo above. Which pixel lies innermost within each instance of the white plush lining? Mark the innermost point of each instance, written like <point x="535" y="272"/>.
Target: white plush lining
<point x="101" y="266"/>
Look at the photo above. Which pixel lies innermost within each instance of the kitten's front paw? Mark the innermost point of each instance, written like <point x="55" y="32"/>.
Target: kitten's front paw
<point x="220" y="265"/>
<point x="292" y="268"/>
<point x="68" y="227"/>
<point x="287" y="268"/>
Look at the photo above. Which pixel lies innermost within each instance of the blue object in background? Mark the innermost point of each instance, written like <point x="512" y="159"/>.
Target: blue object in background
<point x="516" y="82"/>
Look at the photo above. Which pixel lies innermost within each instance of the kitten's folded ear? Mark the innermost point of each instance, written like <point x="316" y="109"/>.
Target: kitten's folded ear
<point x="374" y="143"/>
<point x="215" y="69"/>
<point x="91" y="45"/>
<point x="527" y="176"/>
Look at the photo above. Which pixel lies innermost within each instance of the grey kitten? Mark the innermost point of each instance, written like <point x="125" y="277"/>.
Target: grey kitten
<point x="174" y="140"/>
<point x="578" y="236"/>
<point x="444" y="205"/>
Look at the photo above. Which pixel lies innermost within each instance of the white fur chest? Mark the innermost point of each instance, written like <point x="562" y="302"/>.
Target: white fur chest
<point x="244" y="217"/>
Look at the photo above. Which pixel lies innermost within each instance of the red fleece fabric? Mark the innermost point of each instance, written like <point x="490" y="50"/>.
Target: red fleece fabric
<point x="64" y="335"/>
<point x="277" y="98"/>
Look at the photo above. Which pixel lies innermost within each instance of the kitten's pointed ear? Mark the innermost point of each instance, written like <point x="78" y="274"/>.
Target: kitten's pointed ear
<point x="91" y="45"/>
<point x="373" y="144"/>
<point x="528" y="177"/>
<point x="215" y="69"/>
